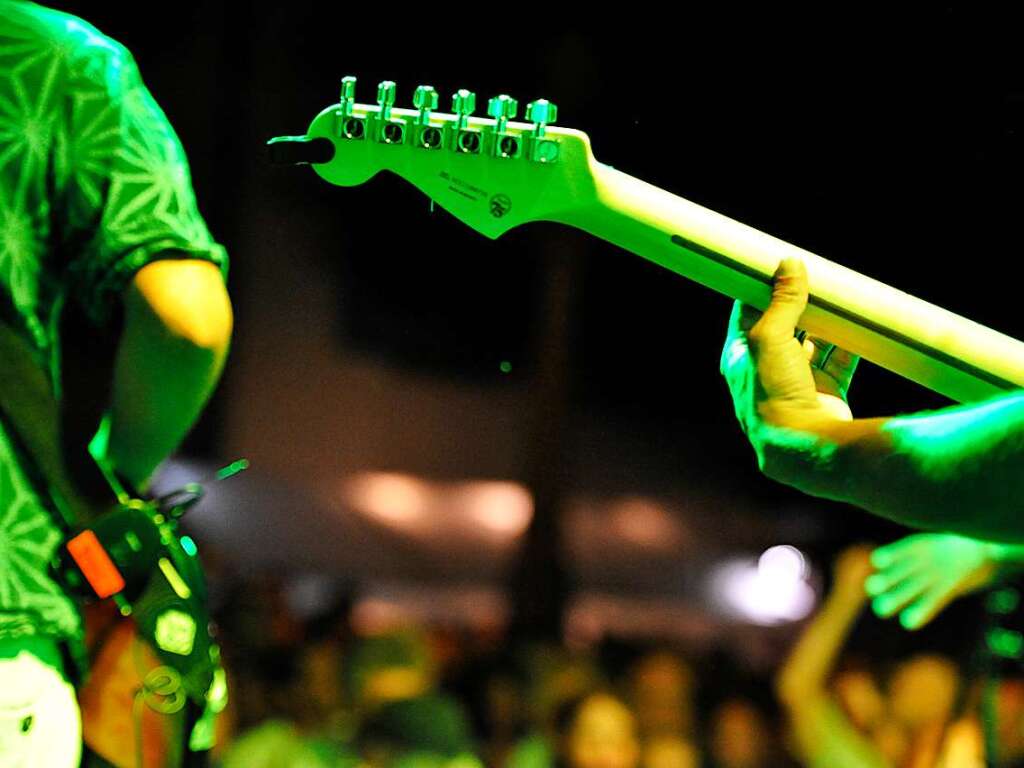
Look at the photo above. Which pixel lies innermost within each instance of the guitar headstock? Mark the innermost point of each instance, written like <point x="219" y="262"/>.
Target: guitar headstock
<point x="492" y="172"/>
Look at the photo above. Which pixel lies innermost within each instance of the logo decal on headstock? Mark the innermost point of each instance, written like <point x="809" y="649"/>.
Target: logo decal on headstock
<point x="500" y="205"/>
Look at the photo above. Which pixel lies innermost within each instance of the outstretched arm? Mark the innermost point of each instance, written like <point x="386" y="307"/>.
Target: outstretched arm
<point x="957" y="469"/>
<point x="823" y="734"/>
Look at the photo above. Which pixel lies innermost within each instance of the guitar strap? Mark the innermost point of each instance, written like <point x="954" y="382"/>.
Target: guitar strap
<point x="29" y="407"/>
<point x="168" y="605"/>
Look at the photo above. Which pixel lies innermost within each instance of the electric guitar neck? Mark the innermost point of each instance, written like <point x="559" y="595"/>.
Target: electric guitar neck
<point x="495" y="174"/>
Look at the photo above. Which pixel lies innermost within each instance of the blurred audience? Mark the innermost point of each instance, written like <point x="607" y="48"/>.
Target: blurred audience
<point x="913" y="720"/>
<point x="660" y="689"/>
<point x="661" y="692"/>
<point x="739" y="736"/>
<point x="597" y="730"/>
<point x="667" y="751"/>
<point x="312" y="693"/>
<point x="426" y="731"/>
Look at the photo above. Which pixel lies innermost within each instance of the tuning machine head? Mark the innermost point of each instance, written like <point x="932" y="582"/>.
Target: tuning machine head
<point x="348" y="125"/>
<point x="386" y="97"/>
<point x="388" y="131"/>
<point x="465" y="139"/>
<point x="348" y="94"/>
<point x="463" y="105"/>
<point x="425" y="99"/>
<point x="504" y="108"/>
<point x="541" y="113"/>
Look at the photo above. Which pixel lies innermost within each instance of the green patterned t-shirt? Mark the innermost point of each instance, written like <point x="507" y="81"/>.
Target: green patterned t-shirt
<point x="93" y="185"/>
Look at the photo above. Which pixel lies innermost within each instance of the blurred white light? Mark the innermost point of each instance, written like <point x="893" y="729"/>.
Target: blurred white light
<point x="782" y="562"/>
<point x="772" y="590"/>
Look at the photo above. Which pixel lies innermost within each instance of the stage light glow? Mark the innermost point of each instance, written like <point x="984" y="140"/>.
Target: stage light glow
<point x="644" y="522"/>
<point x="502" y="508"/>
<point x="782" y="563"/>
<point x="392" y="498"/>
<point x="770" y="590"/>
<point x="463" y="510"/>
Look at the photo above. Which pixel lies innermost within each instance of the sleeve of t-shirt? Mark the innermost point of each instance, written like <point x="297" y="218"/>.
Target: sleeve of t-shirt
<point x="129" y="198"/>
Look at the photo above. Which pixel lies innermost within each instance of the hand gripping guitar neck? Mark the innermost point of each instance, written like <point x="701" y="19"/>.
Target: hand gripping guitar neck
<point x="494" y="174"/>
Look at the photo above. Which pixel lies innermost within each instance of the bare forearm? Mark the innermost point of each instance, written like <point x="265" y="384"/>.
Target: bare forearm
<point x="959" y="469"/>
<point x="810" y="663"/>
<point x="159" y="391"/>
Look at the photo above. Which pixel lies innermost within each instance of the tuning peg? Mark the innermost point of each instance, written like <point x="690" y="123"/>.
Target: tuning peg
<point x="502" y="108"/>
<point x="540" y="149"/>
<point x="386" y="98"/>
<point x="425" y="99"/>
<point x="348" y="95"/>
<point x="387" y="131"/>
<point x="463" y="105"/>
<point x="348" y="126"/>
<point x="541" y="112"/>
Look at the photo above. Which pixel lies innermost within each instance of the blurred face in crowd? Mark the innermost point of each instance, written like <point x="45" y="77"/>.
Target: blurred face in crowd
<point x="661" y="689"/>
<point x="738" y="735"/>
<point x="557" y="679"/>
<point x="669" y="752"/>
<point x="391" y="667"/>
<point x="395" y="683"/>
<point x="602" y="735"/>
<point x="321" y="677"/>
<point x="505" y="706"/>
<point x="922" y="691"/>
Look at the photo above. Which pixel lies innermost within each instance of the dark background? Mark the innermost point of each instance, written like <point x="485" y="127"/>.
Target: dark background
<point x="887" y="140"/>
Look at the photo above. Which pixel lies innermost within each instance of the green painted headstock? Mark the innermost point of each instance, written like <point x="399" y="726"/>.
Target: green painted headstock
<point x="491" y="172"/>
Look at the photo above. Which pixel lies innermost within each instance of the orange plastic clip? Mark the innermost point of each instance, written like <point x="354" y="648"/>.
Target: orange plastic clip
<point x="95" y="564"/>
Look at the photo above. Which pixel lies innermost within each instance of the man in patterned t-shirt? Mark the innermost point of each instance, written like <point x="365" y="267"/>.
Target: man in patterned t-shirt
<point x="96" y="209"/>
